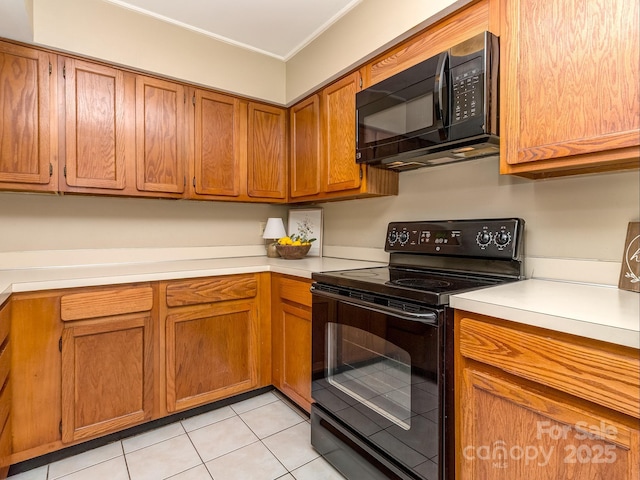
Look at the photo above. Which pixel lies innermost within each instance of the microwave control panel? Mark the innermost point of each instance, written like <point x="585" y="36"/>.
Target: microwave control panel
<point x="467" y="89"/>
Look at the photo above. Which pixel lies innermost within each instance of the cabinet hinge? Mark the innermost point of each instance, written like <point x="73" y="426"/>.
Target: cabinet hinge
<point x="360" y="82"/>
<point x="194" y="182"/>
<point x="60" y="344"/>
<point x="193" y="100"/>
<point x="60" y="427"/>
<point x="184" y="184"/>
<point x="50" y="170"/>
<point x="361" y="174"/>
<point x="50" y="68"/>
<point x="65" y="171"/>
<point x="64" y="71"/>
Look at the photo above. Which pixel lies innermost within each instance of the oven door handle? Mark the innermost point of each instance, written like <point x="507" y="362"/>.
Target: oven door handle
<point x="430" y="318"/>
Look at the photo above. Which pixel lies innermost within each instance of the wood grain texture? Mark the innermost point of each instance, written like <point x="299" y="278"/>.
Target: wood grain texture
<point x="218" y="144"/>
<point x="160" y="135"/>
<point x="94" y="125"/>
<point x="291" y="338"/>
<point x="267" y="152"/>
<point x="602" y="377"/>
<point x="5" y="390"/>
<point x="305" y="133"/>
<point x="450" y="31"/>
<point x="27" y="119"/>
<point x="513" y="433"/>
<point x="570" y="74"/>
<point x="107" y="375"/>
<point x="211" y="289"/>
<point x="295" y="290"/>
<point x="211" y="353"/>
<point x="105" y="302"/>
<point x="35" y="372"/>
<point x="340" y="172"/>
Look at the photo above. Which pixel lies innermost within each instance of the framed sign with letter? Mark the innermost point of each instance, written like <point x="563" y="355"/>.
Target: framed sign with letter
<point x="630" y="271"/>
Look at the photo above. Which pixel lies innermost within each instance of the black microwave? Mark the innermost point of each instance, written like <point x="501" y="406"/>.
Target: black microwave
<point x="444" y="109"/>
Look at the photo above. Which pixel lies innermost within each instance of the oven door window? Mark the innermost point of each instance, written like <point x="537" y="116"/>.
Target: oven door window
<point x="371" y="370"/>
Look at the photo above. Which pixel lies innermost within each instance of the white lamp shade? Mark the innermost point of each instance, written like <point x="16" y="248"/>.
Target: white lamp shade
<point x="274" y="229"/>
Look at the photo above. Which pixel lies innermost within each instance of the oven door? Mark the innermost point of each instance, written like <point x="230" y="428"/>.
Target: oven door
<point x="378" y="386"/>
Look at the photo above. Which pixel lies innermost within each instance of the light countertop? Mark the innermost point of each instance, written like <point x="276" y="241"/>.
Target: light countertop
<point x="593" y="311"/>
<point x="599" y="312"/>
<point x="48" y="278"/>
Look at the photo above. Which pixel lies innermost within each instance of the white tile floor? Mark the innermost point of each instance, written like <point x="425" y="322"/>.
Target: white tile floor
<point x="262" y="438"/>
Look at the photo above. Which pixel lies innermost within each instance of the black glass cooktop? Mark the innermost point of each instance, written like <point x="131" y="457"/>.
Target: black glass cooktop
<point x="430" y="287"/>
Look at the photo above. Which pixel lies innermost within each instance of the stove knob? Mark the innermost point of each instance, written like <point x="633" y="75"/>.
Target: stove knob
<point x="393" y="237"/>
<point x="404" y="237"/>
<point x="502" y="238"/>
<point x="483" y="238"/>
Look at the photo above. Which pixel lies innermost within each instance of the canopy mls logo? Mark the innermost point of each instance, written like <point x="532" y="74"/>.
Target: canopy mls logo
<point x="500" y="454"/>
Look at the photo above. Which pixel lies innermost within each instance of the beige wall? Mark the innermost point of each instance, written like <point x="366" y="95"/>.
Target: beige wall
<point x="368" y="29"/>
<point x="49" y="222"/>
<point x="105" y="31"/>
<point x="582" y="217"/>
<point x="577" y="217"/>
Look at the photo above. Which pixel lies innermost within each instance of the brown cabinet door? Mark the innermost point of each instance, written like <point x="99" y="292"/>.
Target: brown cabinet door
<point x="5" y="390"/>
<point x="570" y="84"/>
<point x="160" y="136"/>
<point x="296" y="350"/>
<point x="510" y="432"/>
<point x="305" y="164"/>
<point x="219" y="144"/>
<point x="291" y="338"/>
<point x="266" y="152"/>
<point x="27" y="118"/>
<point x="211" y="352"/>
<point x="95" y="130"/>
<point x="107" y="375"/>
<point x="339" y="129"/>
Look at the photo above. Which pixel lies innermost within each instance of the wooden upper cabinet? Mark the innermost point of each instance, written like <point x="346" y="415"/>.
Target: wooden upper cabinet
<point x="570" y="86"/>
<point x="341" y="172"/>
<point x="160" y="136"/>
<point x="27" y="119"/>
<point x="266" y="152"/>
<point x="305" y="163"/>
<point x="95" y="143"/>
<point x="219" y="147"/>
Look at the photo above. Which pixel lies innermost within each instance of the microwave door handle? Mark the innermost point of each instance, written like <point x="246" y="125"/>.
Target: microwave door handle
<point x="439" y="90"/>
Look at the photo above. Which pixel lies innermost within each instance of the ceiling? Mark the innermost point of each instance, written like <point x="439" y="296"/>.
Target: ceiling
<point x="279" y="28"/>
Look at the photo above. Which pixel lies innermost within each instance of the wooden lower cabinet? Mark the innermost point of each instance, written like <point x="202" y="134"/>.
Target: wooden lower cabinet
<point x="291" y="338"/>
<point x="534" y="404"/>
<point x="107" y="375"/>
<point x="107" y="360"/>
<point x="216" y="340"/>
<point x="5" y="389"/>
<point x="86" y="362"/>
<point x="211" y="354"/>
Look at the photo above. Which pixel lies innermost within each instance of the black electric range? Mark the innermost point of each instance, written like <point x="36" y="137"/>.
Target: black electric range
<point x="382" y="346"/>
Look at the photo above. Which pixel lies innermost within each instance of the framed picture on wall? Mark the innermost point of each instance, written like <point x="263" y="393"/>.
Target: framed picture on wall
<point x="630" y="271"/>
<point x="307" y="222"/>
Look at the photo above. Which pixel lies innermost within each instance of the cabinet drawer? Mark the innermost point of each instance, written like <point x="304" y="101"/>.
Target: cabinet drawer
<point x="106" y="302"/>
<point x="5" y="323"/>
<point x="210" y="290"/>
<point x="295" y="291"/>
<point x="604" y="377"/>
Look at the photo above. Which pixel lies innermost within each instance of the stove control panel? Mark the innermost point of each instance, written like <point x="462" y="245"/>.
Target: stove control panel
<point x="494" y="238"/>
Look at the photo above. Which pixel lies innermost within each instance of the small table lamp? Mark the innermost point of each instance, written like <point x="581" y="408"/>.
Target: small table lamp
<point x="273" y="231"/>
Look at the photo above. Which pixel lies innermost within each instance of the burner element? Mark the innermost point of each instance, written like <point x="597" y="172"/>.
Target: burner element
<point x="420" y="283"/>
